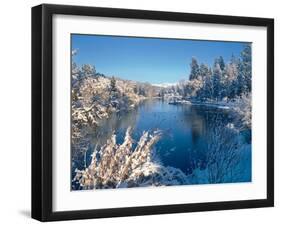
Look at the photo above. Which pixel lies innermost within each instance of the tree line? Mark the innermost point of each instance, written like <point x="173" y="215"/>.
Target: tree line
<point x="222" y="81"/>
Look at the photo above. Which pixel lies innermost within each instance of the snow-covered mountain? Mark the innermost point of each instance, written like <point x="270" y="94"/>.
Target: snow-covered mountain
<point x="164" y="85"/>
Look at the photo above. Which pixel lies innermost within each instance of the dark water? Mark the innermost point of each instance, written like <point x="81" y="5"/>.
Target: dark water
<point x="186" y="130"/>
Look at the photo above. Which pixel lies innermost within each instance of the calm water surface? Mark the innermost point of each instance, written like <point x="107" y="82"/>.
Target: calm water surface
<point x="185" y="131"/>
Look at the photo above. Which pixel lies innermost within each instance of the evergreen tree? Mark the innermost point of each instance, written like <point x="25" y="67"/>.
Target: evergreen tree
<point x="113" y="84"/>
<point x="231" y="77"/>
<point x="240" y="81"/>
<point x="225" y="81"/>
<point x="244" y="77"/>
<point x="209" y="84"/>
<point x="246" y="67"/>
<point x="194" y="72"/>
<point x="88" y="70"/>
<point x="203" y="71"/>
<point x="206" y="91"/>
<point x="220" y="61"/>
<point x="75" y="71"/>
<point x="216" y="81"/>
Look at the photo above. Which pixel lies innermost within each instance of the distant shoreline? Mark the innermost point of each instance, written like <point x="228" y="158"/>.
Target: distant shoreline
<point x="209" y="104"/>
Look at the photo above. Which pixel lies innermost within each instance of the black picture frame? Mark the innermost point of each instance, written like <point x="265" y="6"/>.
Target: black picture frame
<point x="42" y="111"/>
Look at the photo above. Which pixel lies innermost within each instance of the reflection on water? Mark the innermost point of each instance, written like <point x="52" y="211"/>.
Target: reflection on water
<point x="186" y="130"/>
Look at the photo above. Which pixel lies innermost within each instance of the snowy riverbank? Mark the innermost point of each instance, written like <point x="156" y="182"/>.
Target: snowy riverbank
<point x="240" y="107"/>
<point x="208" y="104"/>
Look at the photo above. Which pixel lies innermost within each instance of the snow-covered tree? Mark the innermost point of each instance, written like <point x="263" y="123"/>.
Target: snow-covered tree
<point x="220" y="61"/>
<point x="231" y="73"/>
<point x="226" y="81"/>
<point x="205" y="75"/>
<point x="203" y="71"/>
<point x="113" y="84"/>
<point x="74" y="52"/>
<point x="194" y="69"/>
<point x="88" y="70"/>
<point x="216" y="81"/>
<point x="208" y="88"/>
<point x="245" y="69"/>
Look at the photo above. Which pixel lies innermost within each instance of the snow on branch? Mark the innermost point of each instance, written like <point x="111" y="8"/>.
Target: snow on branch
<point x="119" y="165"/>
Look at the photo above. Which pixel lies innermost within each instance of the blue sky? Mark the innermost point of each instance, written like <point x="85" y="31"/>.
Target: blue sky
<point x="148" y="59"/>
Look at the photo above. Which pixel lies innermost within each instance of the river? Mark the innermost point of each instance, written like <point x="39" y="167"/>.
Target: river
<point x="187" y="131"/>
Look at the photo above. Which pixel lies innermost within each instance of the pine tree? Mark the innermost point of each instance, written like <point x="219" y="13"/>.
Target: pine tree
<point x="246" y="67"/>
<point x="113" y="84"/>
<point x="203" y="71"/>
<point x="225" y="81"/>
<point x="231" y="72"/>
<point x="209" y="84"/>
<point x="194" y="72"/>
<point x="88" y="70"/>
<point x="216" y="80"/>
<point x="206" y="91"/>
<point x="244" y="78"/>
<point x="75" y="71"/>
<point x="220" y="61"/>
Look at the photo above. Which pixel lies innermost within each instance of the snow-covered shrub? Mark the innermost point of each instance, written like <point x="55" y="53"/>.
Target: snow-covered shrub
<point x="243" y="109"/>
<point x="223" y="153"/>
<point x="223" y="157"/>
<point x="121" y="165"/>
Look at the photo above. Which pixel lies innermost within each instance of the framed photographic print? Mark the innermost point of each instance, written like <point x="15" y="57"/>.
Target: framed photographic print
<point x="145" y="112"/>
